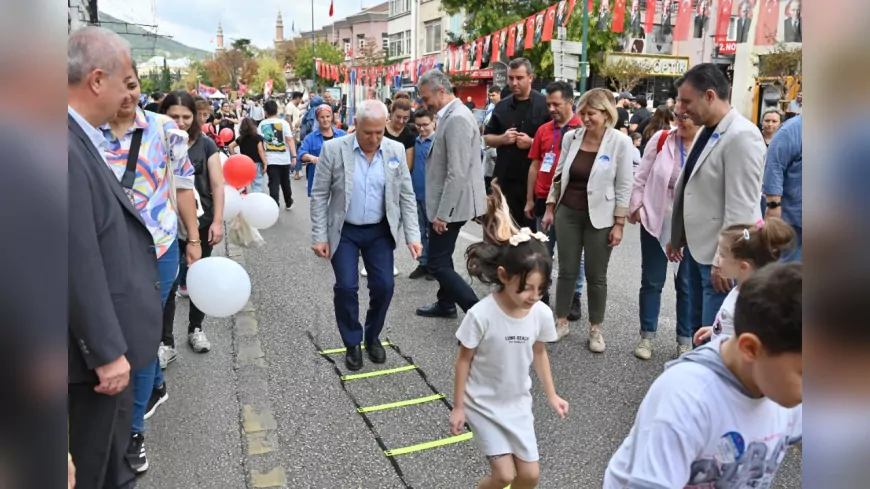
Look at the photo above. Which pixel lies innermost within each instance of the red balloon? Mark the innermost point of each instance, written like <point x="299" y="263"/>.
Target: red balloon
<point x="239" y="170"/>
<point x="207" y="129"/>
<point x="227" y="134"/>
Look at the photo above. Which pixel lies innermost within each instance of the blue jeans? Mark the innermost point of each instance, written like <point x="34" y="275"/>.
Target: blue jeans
<point x="704" y="300"/>
<point x="259" y="183"/>
<point x="551" y="247"/>
<point x="423" y="222"/>
<point x="309" y="173"/>
<point x="654" y="273"/>
<point x="150" y="377"/>
<point x="797" y="254"/>
<point x="375" y="243"/>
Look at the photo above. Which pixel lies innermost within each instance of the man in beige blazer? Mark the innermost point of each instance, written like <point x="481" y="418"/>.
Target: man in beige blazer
<point x="362" y="193"/>
<point x="719" y="186"/>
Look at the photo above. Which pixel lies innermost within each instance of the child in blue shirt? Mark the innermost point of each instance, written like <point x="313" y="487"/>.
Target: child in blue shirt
<point x="425" y="121"/>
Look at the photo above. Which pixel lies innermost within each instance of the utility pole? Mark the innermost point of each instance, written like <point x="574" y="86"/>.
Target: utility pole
<point x="313" y="53"/>
<point x="584" y="62"/>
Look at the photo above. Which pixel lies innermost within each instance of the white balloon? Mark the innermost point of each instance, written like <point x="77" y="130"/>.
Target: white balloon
<point x="232" y="203"/>
<point x="218" y="286"/>
<point x="259" y="210"/>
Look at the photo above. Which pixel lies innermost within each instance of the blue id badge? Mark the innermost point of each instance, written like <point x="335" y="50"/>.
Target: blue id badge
<point x="547" y="164"/>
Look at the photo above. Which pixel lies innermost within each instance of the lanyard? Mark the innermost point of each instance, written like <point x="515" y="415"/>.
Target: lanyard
<point x="682" y="154"/>
<point x="556" y="132"/>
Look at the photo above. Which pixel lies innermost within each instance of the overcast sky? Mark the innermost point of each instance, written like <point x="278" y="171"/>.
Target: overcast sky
<point x="194" y="22"/>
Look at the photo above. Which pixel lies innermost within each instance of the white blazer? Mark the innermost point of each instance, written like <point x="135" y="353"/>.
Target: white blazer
<point x="609" y="187"/>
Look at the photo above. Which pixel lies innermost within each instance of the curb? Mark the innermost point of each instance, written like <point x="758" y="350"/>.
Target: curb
<point x="260" y="447"/>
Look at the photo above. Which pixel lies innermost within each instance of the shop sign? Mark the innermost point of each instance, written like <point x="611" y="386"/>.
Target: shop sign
<point x="654" y="65"/>
<point x="727" y="47"/>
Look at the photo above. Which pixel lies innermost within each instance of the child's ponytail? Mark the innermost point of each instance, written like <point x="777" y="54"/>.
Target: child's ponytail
<point x="484" y="258"/>
<point x="766" y="241"/>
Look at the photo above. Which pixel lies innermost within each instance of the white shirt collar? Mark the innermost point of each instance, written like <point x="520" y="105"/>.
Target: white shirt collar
<point x="444" y="109"/>
<point x="95" y="135"/>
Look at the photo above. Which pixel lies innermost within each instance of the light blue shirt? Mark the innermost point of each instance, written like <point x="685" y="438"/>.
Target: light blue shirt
<point x="367" y="205"/>
<point x="94" y="134"/>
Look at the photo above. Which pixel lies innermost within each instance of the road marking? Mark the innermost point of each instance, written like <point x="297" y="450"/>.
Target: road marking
<point x="431" y="444"/>
<point x="409" y="402"/>
<point x="377" y="373"/>
<point x="273" y="478"/>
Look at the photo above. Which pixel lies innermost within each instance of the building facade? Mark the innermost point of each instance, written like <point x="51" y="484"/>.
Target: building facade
<point x="354" y="32"/>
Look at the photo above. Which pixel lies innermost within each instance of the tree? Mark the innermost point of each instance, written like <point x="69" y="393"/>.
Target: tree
<point x="600" y="42"/>
<point x="244" y="47"/>
<point x="200" y="72"/>
<point x="147" y="85"/>
<point x="784" y="63"/>
<point x="269" y="68"/>
<point x="165" y="78"/>
<point x="623" y="73"/>
<point x="326" y="52"/>
<point x="371" y="54"/>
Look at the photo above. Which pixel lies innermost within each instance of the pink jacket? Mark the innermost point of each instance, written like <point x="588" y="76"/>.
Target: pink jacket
<point x="651" y="193"/>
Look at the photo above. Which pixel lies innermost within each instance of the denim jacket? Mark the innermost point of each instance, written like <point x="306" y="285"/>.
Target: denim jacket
<point x="783" y="170"/>
<point x="313" y="142"/>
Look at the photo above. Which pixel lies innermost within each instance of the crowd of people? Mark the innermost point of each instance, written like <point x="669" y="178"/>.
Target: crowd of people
<point x="546" y="175"/>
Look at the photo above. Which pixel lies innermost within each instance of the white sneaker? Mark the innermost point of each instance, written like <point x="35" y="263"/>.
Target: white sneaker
<point x="596" y="341"/>
<point x="561" y="330"/>
<point x="166" y="355"/>
<point x="395" y="272"/>
<point x="198" y="341"/>
<point x="681" y="349"/>
<point x="181" y="293"/>
<point x="643" y="349"/>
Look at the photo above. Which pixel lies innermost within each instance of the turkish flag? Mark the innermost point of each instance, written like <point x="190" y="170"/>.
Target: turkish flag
<point x="618" y="16"/>
<point x="684" y="20"/>
<point x="723" y="19"/>
<point x="331" y="11"/>
<point x="570" y="10"/>
<point x="650" y="20"/>
<point x="530" y="32"/>
<point x="768" y="22"/>
<point x="496" y="42"/>
<point x="549" y="22"/>
<point x="479" y="59"/>
<point x="512" y="39"/>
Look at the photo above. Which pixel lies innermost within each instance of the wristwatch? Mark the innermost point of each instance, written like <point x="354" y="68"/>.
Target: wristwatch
<point x="774" y="205"/>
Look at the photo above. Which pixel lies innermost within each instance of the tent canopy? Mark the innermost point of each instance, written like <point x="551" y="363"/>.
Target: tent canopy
<point x="217" y="95"/>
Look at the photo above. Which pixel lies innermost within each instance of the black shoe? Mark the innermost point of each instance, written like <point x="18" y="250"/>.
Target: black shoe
<point x="136" y="454"/>
<point x="576" y="311"/>
<point x="158" y="397"/>
<point x="420" y="271"/>
<point x="437" y="311"/>
<point x="376" y="352"/>
<point x="353" y="358"/>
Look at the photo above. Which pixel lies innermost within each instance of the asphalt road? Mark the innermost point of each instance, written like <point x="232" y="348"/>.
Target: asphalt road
<point x="195" y="439"/>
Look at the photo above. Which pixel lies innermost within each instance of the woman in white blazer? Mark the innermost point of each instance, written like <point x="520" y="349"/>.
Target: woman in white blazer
<point x="588" y="204"/>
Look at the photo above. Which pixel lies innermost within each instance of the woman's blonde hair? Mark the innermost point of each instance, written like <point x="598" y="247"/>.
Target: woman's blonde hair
<point x="602" y="100"/>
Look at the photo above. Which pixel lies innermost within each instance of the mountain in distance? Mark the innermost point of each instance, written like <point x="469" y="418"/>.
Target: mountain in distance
<point x="145" y="47"/>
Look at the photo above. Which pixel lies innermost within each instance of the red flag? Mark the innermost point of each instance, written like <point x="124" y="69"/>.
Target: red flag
<point x="684" y="20"/>
<point x="592" y="5"/>
<point x="768" y="20"/>
<point x="512" y="39"/>
<point x="650" y="19"/>
<point x="530" y="33"/>
<point x="330" y="8"/>
<point x="549" y="22"/>
<point x="496" y="43"/>
<point x="479" y="59"/>
<point x="618" y="16"/>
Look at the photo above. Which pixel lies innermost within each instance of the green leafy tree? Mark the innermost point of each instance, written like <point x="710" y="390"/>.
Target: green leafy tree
<point x="244" y="47"/>
<point x="147" y="85"/>
<point x="201" y="73"/>
<point x="600" y="42"/>
<point x="269" y="68"/>
<point x="303" y="64"/>
<point x="165" y="78"/>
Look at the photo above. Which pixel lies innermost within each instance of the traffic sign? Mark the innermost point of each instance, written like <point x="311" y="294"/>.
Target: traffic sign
<point x="566" y="47"/>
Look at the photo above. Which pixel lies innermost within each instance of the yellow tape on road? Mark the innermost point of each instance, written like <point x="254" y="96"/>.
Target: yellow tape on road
<point x="431" y="444"/>
<point x="342" y="350"/>
<point x="377" y="373"/>
<point x="410" y="402"/>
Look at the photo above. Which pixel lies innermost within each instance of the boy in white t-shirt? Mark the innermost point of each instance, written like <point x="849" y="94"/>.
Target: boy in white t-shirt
<point x="280" y="152"/>
<point x="724" y="414"/>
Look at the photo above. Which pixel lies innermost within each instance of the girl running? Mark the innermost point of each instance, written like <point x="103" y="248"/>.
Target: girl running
<point x="743" y="249"/>
<point x="500" y="337"/>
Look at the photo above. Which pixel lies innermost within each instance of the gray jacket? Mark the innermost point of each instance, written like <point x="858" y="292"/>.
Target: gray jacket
<point x="333" y="186"/>
<point x="454" y="174"/>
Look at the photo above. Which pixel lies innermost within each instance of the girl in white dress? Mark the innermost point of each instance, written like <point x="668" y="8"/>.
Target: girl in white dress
<point x="743" y="249"/>
<point x="501" y="337"/>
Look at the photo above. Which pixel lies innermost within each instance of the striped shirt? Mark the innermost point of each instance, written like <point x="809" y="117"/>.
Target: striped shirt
<point x="151" y="188"/>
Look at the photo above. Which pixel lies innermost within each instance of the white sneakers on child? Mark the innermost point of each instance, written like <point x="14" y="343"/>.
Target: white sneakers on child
<point x="596" y="341"/>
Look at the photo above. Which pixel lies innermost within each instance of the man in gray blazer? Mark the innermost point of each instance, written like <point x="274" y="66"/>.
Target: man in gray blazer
<point x="362" y="193"/>
<point x="455" y="190"/>
<point x="115" y="309"/>
<point x="719" y="186"/>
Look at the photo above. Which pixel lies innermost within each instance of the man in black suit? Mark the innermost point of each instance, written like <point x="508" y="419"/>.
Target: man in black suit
<point x="792" y="31"/>
<point x="114" y="289"/>
<point x="744" y="21"/>
<point x="635" y="24"/>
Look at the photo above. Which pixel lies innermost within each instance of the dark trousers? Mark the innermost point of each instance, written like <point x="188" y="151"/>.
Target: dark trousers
<point x="704" y="300"/>
<point x="99" y="432"/>
<point x="376" y="244"/>
<point x="452" y="289"/>
<point x="515" y="195"/>
<point x="653" y="274"/>
<point x="280" y="175"/>
<point x="195" y="317"/>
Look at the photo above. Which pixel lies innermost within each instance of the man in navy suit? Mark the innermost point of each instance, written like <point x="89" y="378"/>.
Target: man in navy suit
<point x="115" y="310"/>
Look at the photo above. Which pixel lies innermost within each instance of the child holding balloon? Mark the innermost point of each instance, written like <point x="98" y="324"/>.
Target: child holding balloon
<point x="250" y="144"/>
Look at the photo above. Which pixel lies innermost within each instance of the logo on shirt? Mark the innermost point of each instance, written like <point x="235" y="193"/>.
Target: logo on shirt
<point x="736" y="465"/>
<point x="517" y="339"/>
<point x="393" y="163"/>
<point x="604" y="158"/>
<point x="273" y="135"/>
